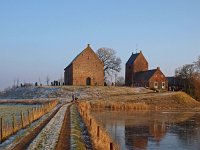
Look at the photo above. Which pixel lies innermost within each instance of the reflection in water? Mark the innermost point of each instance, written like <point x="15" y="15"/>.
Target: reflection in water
<point x="141" y="130"/>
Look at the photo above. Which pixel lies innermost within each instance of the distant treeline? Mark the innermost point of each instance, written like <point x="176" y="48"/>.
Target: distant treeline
<point x="189" y="78"/>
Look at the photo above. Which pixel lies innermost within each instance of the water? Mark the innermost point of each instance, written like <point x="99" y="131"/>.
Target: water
<point x="145" y="130"/>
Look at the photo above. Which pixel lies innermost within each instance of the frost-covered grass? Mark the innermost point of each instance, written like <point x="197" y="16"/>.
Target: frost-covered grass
<point x="83" y="92"/>
<point x="14" y="139"/>
<point x="48" y="137"/>
<point x="80" y="139"/>
<point x="31" y="93"/>
<point x="12" y="123"/>
<point x="7" y="111"/>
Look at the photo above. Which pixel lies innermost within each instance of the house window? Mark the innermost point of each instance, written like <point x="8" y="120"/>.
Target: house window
<point x="155" y="85"/>
<point x="163" y="85"/>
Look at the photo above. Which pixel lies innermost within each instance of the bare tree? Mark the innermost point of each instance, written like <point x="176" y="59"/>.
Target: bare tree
<point x="14" y="83"/>
<point x="47" y="79"/>
<point x="197" y="65"/>
<point x="189" y="76"/>
<point x="185" y="72"/>
<point x="120" y="81"/>
<point x="17" y="82"/>
<point x="61" y="80"/>
<point x="110" y="60"/>
<point x="39" y="81"/>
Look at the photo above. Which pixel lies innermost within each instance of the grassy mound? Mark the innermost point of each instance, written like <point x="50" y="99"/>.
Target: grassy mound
<point x="185" y="100"/>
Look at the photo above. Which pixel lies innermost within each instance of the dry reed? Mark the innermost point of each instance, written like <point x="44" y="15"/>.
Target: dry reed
<point x="116" y="105"/>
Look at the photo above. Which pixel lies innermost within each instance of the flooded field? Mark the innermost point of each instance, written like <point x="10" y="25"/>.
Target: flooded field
<point x="141" y="130"/>
<point x="7" y="110"/>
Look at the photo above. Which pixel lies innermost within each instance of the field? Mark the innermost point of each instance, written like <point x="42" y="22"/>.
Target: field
<point x="43" y="123"/>
<point x="8" y="110"/>
<point x="16" y="116"/>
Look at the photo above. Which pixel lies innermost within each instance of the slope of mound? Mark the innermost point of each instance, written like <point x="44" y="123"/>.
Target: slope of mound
<point x="185" y="100"/>
<point x="167" y="100"/>
<point x="31" y="93"/>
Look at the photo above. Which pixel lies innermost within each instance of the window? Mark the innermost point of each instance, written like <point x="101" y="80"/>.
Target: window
<point x="155" y="85"/>
<point x="163" y="85"/>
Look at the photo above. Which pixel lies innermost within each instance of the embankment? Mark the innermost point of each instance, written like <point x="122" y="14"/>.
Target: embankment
<point x="176" y="101"/>
<point x="173" y="101"/>
<point x="100" y="137"/>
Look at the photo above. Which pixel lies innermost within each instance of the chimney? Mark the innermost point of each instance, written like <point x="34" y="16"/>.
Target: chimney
<point x="88" y="45"/>
<point x="158" y="68"/>
<point x="140" y="51"/>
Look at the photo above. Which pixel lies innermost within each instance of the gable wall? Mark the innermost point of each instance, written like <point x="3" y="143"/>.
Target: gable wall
<point x="87" y="65"/>
<point x="158" y="77"/>
<point x="140" y="64"/>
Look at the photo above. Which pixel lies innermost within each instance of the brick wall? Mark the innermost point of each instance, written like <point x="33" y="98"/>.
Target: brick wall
<point x="87" y="66"/>
<point x="128" y="74"/>
<point x="140" y="64"/>
<point x="158" y="77"/>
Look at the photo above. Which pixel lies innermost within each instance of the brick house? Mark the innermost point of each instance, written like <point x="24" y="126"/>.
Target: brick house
<point x="137" y="74"/>
<point x="85" y="69"/>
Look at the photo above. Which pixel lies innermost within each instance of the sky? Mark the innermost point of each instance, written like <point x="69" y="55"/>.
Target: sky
<point x="39" y="38"/>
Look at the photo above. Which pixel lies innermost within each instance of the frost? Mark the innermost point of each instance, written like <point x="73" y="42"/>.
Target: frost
<point x="48" y="137"/>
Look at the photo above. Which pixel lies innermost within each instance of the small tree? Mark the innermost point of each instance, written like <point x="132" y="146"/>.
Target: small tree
<point x="47" y="79"/>
<point x="197" y="65"/>
<point x="120" y="81"/>
<point x="61" y="80"/>
<point x="39" y="81"/>
<point x="185" y="75"/>
<point x="17" y="82"/>
<point x="189" y="75"/>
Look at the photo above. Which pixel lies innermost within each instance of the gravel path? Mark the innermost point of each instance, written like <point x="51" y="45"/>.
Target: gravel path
<point x="48" y="137"/>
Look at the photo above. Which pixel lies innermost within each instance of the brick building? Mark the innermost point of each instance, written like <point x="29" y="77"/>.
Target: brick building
<point x="137" y="73"/>
<point x="85" y="69"/>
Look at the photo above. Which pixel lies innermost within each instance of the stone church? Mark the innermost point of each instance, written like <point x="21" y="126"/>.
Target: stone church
<point x="138" y="75"/>
<point x="85" y="69"/>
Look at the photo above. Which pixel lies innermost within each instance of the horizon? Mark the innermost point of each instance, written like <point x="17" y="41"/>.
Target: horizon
<point x="41" y="38"/>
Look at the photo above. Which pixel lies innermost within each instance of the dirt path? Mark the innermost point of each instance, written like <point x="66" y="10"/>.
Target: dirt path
<point x="24" y="143"/>
<point x="64" y="138"/>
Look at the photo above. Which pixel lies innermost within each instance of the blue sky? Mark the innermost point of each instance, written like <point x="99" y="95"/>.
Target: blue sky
<point x="41" y="37"/>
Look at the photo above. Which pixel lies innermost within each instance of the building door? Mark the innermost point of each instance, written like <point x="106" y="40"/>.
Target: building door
<point x="88" y="81"/>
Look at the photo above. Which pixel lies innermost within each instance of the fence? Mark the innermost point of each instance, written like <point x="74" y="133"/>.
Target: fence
<point x="100" y="137"/>
<point x="23" y="120"/>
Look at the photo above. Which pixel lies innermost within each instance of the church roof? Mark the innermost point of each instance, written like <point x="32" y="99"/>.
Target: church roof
<point x="88" y="47"/>
<point x="144" y="75"/>
<point x="132" y="58"/>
